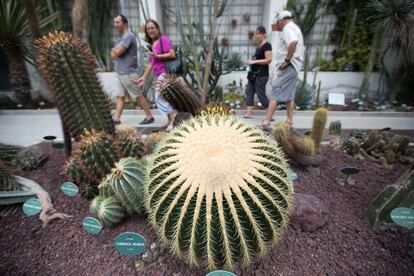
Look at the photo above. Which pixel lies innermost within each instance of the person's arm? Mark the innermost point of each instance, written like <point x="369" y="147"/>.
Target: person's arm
<point x="165" y="56"/>
<point x="265" y="61"/>
<point x="117" y="51"/>
<point x="290" y="53"/>
<point x="144" y="76"/>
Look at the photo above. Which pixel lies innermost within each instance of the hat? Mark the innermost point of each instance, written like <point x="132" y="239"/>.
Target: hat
<point x="284" y="15"/>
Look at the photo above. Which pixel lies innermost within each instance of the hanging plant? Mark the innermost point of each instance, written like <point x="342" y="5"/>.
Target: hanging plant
<point x="251" y="35"/>
<point x="246" y="17"/>
<point x="225" y="42"/>
<point x="234" y="23"/>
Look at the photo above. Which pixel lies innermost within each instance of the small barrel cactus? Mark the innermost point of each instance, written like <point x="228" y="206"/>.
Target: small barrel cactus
<point x="131" y="145"/>
<point x="126" y="183"/>
<point x="215" y="108"/>
<point x="218" y="191"/>
<point x="318" y="126"/>
<point x="95" y="205"/>
<point x="179" y="94"/>
<point x="104" y="189"/>
<point x="111" y="211"/>
<point x="335" y="128"/>
<point x="153" y="139"/>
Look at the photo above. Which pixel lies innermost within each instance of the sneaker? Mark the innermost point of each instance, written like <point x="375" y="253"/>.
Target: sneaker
<point x="169" y="127"/>
<point x="147" y="121"/>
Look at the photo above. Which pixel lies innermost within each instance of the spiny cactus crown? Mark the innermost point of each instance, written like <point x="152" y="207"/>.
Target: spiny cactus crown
<point x="218" y="191"/>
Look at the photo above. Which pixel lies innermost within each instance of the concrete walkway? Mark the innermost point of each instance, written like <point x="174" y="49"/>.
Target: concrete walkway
<point x="28" y="127"/>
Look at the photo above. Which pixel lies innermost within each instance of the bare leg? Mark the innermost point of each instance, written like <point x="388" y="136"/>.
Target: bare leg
<point x="145" y="106"/>
<point x="289" y="106"/>
<point x="170" y="117"/>
<point x="270" y="111"/>
<point x="119" y="107"/>
<point x="249" y="112"/>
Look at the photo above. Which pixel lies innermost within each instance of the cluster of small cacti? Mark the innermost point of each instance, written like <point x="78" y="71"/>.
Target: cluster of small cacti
<point x="215" y="108"/>
<point x="179" y="94"/>
<point x="30" y="158"/>
<point x="383" y="147"/>
<point x="108" y="209"/>
<point x="228" y="208"/>
<point x="7" y="182"/>
<point x="69" y="67"/>
<point x="400" y="194"/>
<point x="297" y="146"/>
<point x="335" y="134"/>
<point x="96" y="154"/>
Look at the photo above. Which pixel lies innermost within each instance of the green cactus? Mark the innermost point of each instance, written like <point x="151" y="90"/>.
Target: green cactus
<point x="335" y="128"/>
<point x="7" y="182"/>
<point x="351" y="145"/>
<point x="126" y="183"/>
<point x="399" y="194"/>
<point x="281" y="132"/>
<point x="318" y="126"/>
<point x="230" y="207"/>
<point x="111" y="211"/>
<point x="303" y="145"/>
<point x="215" y="108"/>
<point x="89" y="191"/>
<point x="153" y="139"/>
<point x="95" y="205"/>
<point x="13" y="197"/>
<point x="130" y="144"/>
<point x="104" y="189"/>
<point x="8" y="153"/>
<point x="69" y="68"/>
<point x="179" y="94"/>
<point x="93" y="157"/>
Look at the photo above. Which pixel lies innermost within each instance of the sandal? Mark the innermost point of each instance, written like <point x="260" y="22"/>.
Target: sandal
<point x="248" y="116"/>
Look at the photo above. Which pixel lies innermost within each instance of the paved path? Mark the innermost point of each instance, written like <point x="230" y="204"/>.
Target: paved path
<point x="27" y="127"/>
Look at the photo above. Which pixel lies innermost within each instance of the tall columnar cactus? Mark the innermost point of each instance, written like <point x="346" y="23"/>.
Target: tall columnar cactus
<point x="111" y="211"/>
<point x="318" y="126"/>
<point x="218" y="203"/>
<point x="400" y="194"/>
<point x="179" y="94"/>
<point x="93" y="157"/>
<point x="69" y="68"/>
<point x="126" y="184"/>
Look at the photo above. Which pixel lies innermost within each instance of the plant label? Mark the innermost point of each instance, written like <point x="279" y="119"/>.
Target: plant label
<point x="293" y="175"/>
<point x="32" y="207"/>
<point x="91" y="225"/>
<point x="69" y="189"/>
<point x="220" y="273"/>
<point x="403" y="216"/>
<point x="336" y="99"/>
<point x="130" y="244"/>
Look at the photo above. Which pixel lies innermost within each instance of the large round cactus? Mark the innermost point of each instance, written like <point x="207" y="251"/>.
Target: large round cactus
<point x="218" y="191"/>
<point x="126" y="184"/>
<point x="111" y="211"/>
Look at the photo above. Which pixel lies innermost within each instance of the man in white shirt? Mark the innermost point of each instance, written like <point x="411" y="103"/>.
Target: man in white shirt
<point x="289" y="60"/>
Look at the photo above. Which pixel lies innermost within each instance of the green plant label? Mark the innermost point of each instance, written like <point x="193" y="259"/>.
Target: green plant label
<point x="91" y="225"/>
<point x="220" y="273"/>
<point x="58" y="145"/>
<point x="130" y="244"/>
<point x="69" y="189"/>
<point x="32" y="207"/>
<point x="349" y="170"/>
<point x="293" y="175"/>
<point x="403" y="217"/>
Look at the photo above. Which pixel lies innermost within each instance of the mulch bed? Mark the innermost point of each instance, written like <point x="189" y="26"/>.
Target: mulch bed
<point x="345" y="246"/>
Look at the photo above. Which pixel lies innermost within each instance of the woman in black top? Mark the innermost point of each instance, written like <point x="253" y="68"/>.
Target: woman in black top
<point x="259" y="73"/>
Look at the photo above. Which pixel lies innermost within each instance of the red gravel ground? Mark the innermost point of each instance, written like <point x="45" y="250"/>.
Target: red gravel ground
<point x="345" y="246"/>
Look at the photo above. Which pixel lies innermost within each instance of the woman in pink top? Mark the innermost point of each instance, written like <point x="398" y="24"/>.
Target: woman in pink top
<point x="162" y="50"/>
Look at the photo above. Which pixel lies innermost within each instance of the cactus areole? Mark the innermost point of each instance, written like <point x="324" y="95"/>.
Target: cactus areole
<point x="218" y="191"/>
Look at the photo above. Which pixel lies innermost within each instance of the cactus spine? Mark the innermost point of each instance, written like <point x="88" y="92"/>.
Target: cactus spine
<point x="335" y="128"/>
<point x="318" y="126"/>
<point x="95" y="205"/>
<point x="111" y="211"/>
<point x="69" y="68"/>
<point x="215" y="108"/>
<point x="228" y="208"/>
<point x="303" y="145"/>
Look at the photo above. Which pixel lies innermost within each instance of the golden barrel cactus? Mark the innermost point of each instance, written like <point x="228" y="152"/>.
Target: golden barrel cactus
<point x="218" y="191"/>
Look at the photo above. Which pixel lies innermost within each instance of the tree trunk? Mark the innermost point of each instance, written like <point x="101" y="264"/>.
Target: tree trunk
<point x="31" y="16"/>
<point x="79" y="13"/>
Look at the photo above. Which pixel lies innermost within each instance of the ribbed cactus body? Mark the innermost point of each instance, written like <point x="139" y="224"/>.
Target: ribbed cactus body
<point x="335" y="128"/>
<point x="131" y="145"/>
<point x="111" y="211"/>
<point x="8" y="153"/>
<point x="104" y="189"/>
<point x="218" y="191"/>
<point x="179" y="94"/>
<point x="318" y="126"/>
<point x="69" y="68"/>
<point x="153" y="139"/>
<point x="126" y="183"/>
<point x="303" y="145"/>
<point x="95" y="205"/>
<point x="7" y="182"/>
